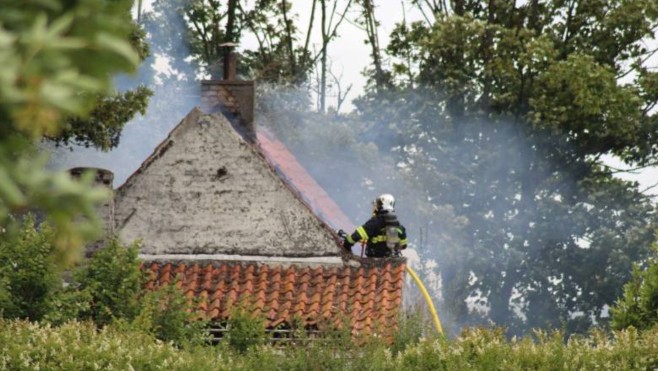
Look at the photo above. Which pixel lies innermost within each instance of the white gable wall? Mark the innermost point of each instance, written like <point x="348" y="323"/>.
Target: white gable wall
<point x="206" y="191"/>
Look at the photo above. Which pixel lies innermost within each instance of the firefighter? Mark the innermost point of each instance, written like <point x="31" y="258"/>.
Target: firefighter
<point x="383" y="234"/>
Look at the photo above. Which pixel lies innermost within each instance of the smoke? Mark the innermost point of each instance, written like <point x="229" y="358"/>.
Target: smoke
<point x="355" y="170"/>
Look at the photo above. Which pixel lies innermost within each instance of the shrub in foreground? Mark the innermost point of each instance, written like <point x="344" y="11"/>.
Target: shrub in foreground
<point x="81" y="346"/>
<point x="74" y="345"/>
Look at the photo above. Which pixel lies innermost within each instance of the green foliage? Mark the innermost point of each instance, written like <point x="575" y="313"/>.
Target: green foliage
<point x="245" y="331"/>
<point x="109" y="289"/>
<point x="410" y="332"/>
<point x="168" y="315"/>
<point x="111" y="111"/>
<point x="29" y="277"/>
<point x="201" y="26"/>
<point x="49" y="66"/>
<point x="102" y="129"/>
<point x="68" y="305"/>
<point x="638" y="307"/>
<point x="114" y="281"/>
<point x="80" y="346"/>
<point x="56" y="57"/>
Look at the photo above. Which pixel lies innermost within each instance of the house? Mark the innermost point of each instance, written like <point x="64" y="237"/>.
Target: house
<point x="225" y="212"/>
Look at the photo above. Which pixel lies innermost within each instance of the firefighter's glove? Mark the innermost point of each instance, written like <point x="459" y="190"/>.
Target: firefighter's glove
<point x="346" y="245"/>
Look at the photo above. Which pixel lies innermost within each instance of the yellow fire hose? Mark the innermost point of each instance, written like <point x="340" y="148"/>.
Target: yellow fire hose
<point x="435" y="316"/>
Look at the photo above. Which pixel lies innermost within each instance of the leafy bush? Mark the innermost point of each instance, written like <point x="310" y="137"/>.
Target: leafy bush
<point x="29" y="276"/>
<point x="114" y="282"/>
<point x="638" y="307"/>
<point x="108" y="289"/>
<point x="411" y="328"/>
<point x="69" y="305"/>
<point x="56" y="56"/>
<point x="245" y="331"/>
<point x="167" y="314"/>
<point x="75" y="345"/>
<point x="80" y="346"/>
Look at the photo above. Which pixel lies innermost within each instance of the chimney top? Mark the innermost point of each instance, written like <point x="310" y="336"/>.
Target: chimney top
<point x="230" y="61"/>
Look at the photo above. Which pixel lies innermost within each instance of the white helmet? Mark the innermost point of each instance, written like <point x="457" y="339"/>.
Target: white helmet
<point x="385" y="202"/>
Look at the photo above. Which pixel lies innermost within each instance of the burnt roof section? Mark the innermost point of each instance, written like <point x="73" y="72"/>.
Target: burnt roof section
<point x="296" y="175"/>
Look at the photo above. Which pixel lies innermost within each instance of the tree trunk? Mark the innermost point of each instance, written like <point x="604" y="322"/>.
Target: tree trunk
<point x="459" y="7"/>
<point x="230" y="24"/>
<point x="487" y="46"/>
<point x="373" y="39"/>
<point x="139" y="11"/>
<point x="323" y="61"/>
<point x="291" y="50"/>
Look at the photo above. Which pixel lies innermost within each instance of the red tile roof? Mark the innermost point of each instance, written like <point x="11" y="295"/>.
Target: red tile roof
<point x="369" y="296"/>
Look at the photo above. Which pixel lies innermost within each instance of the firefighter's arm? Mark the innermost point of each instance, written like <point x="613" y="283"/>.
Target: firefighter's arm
<point x="358" y="235"/>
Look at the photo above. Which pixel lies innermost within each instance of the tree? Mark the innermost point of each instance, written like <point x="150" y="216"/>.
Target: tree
<point x="204" y="26"/>
<point x="378" y="76"/>
<point x="102" y="128"/>
<point x="108" y="289"/>
<point x="504" y="113"/>
<point x="56" y="57"/>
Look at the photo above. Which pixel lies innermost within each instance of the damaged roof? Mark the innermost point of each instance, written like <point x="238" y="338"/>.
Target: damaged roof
<point x="295" y="174"/>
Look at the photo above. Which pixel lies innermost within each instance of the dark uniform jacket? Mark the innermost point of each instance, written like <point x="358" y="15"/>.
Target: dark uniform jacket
<point x="373" y="232"/>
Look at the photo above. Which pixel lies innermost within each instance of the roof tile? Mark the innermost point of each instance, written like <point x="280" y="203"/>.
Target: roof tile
<point x="368" y="297"/>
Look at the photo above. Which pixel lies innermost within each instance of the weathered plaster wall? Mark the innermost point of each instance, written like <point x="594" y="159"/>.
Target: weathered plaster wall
<point x="206" y="191"/>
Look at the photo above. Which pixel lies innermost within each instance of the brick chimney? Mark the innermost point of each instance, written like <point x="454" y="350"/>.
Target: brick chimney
<point x="234" y="98"/>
